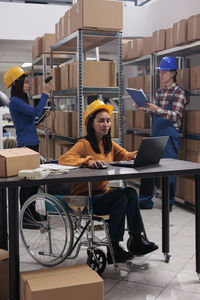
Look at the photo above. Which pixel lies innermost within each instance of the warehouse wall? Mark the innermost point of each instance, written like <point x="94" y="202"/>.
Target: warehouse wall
<point x="142" y="21"/>
<point x="26" y="21"/>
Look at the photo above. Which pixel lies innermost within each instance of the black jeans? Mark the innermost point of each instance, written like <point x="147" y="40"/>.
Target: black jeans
<point x="26" y="192"/>
<point x="119" y="203"/>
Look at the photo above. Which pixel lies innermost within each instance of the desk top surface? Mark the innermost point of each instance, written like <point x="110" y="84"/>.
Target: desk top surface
<point x="166" y="167"/>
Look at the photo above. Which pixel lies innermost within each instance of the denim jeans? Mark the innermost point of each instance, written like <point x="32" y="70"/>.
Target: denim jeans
<point x="119" y="203"/>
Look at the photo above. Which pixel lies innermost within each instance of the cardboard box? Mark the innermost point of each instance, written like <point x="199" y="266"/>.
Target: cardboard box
<point x="125" y="49"/>
<point x="61" y="28"/>
<point x="98" y="15"/>
<point x="48" y="40"/>
<point x="73" y="283"/>
<point x="74" y="124"/>
<point x="43" y="147"/>
<point x="57" y="33"/>
<point x="4" y="274"/>
<point x="192" y="150"/>
<point x="192" y="121"/>
<point x="132" y="82"/>
<point x="64" y="77"/>
<point x="37" y="48"/>
<point x="147" y="45"/>
<point x="142" y="120"/>
<point x="183" y="78"/>
<point x="159" y="40"/>
<point x="129" y="118"/>
<point x="135" y="48"/>
<point x="68" y="123"/>
<point x="195" y="77"/>
<point x="55" y="72"/>
<point x="67" y="21"/>
<point x="94" y="73"/>
<point x="169" y="38"/>
<point x="115" y="124"/>
<point x="147" y="84"/>
<point x="14" y="159"/>
<point x="193" y="32"/>
<point x="128" y="141"/>
<point x="180" y="32"/>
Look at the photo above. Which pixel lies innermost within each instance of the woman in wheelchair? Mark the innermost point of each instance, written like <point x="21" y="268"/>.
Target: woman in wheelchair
<point x="95" y="151"/>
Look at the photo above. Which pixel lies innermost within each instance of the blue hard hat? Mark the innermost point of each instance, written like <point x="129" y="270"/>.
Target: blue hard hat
<point x="167" y="63"/>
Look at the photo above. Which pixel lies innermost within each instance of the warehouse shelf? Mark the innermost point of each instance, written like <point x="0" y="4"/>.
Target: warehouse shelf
<point x="81" y="42"/>
<point x="138" y="131"/>
<point x="66" y="138"/>
<point x="183" y="50"/>
<point x="88" y="91"/>
<point x="193" y="92"/>
<point x="191" y="136"/>
<point x="58" y="59"/>
<point x="91" y="40"/>
<point x="140" y="61"/>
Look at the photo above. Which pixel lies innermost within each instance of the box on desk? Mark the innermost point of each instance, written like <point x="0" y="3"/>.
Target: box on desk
<point x="73" y="283"/>
<point x="4" y="274"/>
<point x="16" y="159"/>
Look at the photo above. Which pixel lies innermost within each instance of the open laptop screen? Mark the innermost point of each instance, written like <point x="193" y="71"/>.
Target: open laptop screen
<point x="150" y="152"/>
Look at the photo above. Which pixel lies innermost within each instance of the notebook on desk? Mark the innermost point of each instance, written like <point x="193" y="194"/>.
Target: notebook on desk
<point x="149" y="153"/>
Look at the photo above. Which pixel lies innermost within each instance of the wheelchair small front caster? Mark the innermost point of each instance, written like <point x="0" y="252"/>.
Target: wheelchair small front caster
<point x="97" y="260"/>
<point x="167" y="257"/>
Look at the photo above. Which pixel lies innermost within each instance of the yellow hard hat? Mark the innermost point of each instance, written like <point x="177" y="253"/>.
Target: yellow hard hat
<point x="94" y="106"/>
<point x="12" y="74"/>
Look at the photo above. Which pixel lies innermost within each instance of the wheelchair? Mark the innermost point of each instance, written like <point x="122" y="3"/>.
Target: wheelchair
<point x="62" y="226"/>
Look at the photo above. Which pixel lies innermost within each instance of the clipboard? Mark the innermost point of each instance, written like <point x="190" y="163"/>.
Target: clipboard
<point x="138" y="96"/>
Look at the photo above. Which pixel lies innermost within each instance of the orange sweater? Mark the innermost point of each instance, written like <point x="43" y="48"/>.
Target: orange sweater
<point x="82" y="152"/>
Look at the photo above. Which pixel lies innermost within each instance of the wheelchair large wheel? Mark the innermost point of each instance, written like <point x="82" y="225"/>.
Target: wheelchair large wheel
<point x="97" y="260"/>
<point x="46" y="229"/>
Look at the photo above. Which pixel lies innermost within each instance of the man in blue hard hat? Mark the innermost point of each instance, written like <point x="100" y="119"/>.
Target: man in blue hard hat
<point x="167" y="112"/>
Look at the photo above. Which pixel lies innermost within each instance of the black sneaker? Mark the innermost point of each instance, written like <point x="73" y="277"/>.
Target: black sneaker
<point x="119" y="253"/>
<point x="138" y="245"/>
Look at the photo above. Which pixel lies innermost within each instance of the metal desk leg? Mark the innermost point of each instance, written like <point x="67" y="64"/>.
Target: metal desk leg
<point x="197" y="225"/>
<point x="3" y="220"/>
<point x="13" y="210"/>
<point x="165" y="218"/>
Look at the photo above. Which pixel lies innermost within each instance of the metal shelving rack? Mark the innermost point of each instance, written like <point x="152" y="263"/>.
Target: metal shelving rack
<point x="80" y="42"/>
<point x="147" y="60"/>
<point x="42" y="65"/>
<point x="182" y="52"/>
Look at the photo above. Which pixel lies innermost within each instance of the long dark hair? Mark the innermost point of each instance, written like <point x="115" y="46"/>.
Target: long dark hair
<point x="107" y="142"/>
<point x="17" y="88"/>
<point x="174" y="77"/>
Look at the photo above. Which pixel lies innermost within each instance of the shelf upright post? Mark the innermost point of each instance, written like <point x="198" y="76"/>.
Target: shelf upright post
<point x="53" y="109"/>
<point x="154" y="65"/>
<point x="151" y="77"/>
<point x="80" y="104"/>
<point x="44" y="63"/>
<point x="121" y="103"/>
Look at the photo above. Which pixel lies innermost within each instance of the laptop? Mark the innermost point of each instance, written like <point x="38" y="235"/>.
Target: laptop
<point x="149" y="153"/>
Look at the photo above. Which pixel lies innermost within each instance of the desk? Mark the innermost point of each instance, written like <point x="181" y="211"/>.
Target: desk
<point x="166" y="168"/>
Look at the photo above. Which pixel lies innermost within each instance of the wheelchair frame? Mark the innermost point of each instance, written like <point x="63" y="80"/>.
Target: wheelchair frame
<point x="77" y="227"/>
